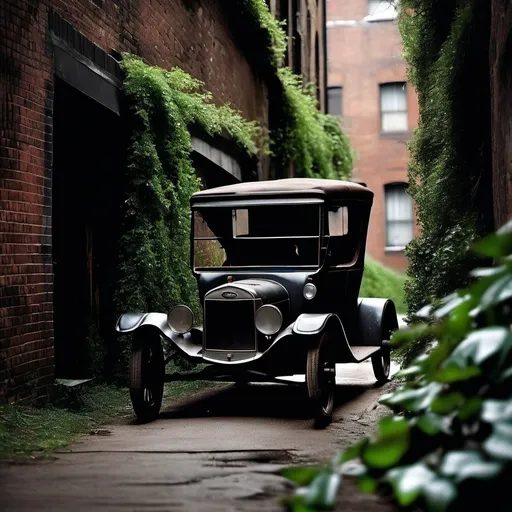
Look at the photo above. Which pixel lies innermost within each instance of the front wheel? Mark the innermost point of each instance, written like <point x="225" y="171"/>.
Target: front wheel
<point x="321" y="380"/>
<point x="147" y="372"/>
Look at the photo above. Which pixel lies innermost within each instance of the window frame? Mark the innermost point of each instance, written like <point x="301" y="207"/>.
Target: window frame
<point x="411" y="221"/>
<point x="333" y="87"/>
<point x="394" y="133"/>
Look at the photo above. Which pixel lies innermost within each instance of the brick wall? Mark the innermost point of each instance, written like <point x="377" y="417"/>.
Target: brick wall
<point x="501" y="108"/>
<point x="361" y="55"/>
<point x="192" y="34"/>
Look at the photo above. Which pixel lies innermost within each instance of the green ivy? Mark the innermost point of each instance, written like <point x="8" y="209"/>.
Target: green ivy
<point x="449" y="443"/>
<point x="154" y="272"/>
<point x="446" y="47"/>
<point x="257" y="13"/>
<point x="313" y="141"/>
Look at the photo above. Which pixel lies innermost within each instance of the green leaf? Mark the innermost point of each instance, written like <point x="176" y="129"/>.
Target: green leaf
<point x="354" y="451"/>
<point x="499" y="443"/>
<point x="367" y="484"/>
<point x="470" y="408"/>
<point x="300" y="475"/>
<point x="449" y="304"/>
<point x="322" y="491"/>
<point x="452" y="373"/>
<point x="463" y="465"/>
<point x="488" y="271"/>
<point x="496" y="245"/>
<point x="412" y="399"/>
<point x="390" y="445"/>
<point x="430" y="424"/>
<point x="424" y="313"/>
<point x="481" y="345"/>
<point x="447" y="403"/>
<point x="454" y="461"/>
<point x="409" y="334"/>
<point x="498" y="292"/>
<point x="409" y="481"/>
<point x="438" y="494"/>
<point x="353" y="468"/>
<point x="497" y="410"/>
<point x="410" y="371"/>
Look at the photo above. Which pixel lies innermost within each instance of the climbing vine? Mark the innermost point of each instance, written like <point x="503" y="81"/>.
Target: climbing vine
<point x="446" y="47"/>
<point x="154" y="271"/>
<point x="313" y="141"/>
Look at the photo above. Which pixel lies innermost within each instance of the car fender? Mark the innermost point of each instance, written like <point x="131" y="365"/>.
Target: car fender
<point x="313" y="324"/>
<point x="190" y="343"/>
<point x="376" y="319"/>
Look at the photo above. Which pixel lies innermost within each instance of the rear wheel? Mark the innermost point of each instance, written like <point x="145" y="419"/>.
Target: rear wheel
<point x="321" y="380"/>
<point x="147" y="372"/>
<point x="381" y="362"/>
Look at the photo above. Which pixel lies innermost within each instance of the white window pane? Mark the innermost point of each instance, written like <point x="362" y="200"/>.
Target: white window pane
<point x="382" y="9"/>
<point x="393" y="97"/>
<point x="399" y="234"/>
<point x="338" y="222"/>
<point x="399" y="216"/>
<point x="240" y="223"/>
<point x="398" y="204"/>
<point x="394" y="122"/>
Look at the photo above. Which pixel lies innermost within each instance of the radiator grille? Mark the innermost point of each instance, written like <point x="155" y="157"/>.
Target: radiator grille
<point x="229" y="325"/>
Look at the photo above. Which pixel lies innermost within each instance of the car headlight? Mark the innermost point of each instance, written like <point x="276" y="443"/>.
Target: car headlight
<point x="268" y="319"/>
<point x="309" y="291"/>
<point x="180" y="319"/>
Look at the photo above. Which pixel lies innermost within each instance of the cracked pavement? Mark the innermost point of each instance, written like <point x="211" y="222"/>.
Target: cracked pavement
<point x="217" y="450"/>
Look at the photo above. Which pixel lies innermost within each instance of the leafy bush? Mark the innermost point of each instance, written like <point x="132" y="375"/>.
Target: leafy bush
<point x="313" y="141"/>
<point x="449" y="443"/>
<point x="380" y="281"/>
<point x="446" y="47"/>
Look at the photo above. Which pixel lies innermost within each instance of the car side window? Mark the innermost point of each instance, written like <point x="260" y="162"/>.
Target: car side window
<point x="344" y="227"/>
<point x="338" y="221"/>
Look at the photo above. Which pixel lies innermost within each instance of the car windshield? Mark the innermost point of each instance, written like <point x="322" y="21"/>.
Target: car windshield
<point x="257" y="236"/>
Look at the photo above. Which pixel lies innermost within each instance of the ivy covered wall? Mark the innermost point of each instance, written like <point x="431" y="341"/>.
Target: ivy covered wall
<point x="446" y="43"/>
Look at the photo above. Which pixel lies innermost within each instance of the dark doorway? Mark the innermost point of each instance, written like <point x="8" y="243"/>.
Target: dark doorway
<point x="87" y="161"/>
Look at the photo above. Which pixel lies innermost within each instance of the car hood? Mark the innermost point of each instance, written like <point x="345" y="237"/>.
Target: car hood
<point x="269" y="292"/>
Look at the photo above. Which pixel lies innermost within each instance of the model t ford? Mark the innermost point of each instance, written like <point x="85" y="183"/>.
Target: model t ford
<point x="279" y="266"/>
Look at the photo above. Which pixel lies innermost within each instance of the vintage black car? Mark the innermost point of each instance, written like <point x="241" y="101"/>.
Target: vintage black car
<point x="279" y="266"/>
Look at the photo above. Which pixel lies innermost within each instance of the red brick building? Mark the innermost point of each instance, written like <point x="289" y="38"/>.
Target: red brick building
<point x="61" y="148"/>
<point x="367" y="88"/>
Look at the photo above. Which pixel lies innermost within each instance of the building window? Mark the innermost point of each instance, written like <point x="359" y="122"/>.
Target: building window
<point x="335" y="101"/>
<point x="399" y="216"/>
<point x="381" y="10"/>
<point x="393" y="107"/>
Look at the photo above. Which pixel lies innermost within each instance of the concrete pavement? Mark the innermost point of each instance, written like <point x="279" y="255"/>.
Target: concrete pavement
<point x="219" y="450"/>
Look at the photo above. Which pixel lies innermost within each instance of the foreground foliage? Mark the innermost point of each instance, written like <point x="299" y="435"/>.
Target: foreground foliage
<point x="449" y="442"/>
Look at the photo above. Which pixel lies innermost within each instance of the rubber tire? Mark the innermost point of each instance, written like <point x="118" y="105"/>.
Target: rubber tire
<point x="381" y="362"/>
<point x="144" y="410"/>
<point x="321" y="409"/>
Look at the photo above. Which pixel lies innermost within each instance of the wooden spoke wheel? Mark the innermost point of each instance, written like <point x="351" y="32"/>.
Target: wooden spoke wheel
<point x="381" y="362"/>
<point x="147" y="374"/>
<point x="321" y="380"/>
